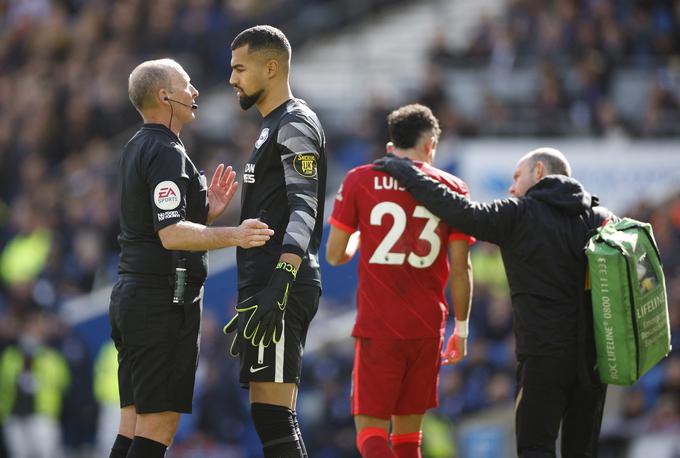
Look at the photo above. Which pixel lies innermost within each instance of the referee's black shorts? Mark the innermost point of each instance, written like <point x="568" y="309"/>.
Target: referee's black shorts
<point x="281" y="362"/>
<point x="157" y="343"/>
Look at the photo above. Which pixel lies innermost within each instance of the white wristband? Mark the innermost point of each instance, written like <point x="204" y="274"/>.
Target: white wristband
<point x="461" y="329"/>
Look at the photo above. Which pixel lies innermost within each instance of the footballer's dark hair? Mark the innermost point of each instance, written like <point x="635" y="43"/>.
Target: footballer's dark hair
<point x="408" y="123"/>
<point x="263" y="38"/>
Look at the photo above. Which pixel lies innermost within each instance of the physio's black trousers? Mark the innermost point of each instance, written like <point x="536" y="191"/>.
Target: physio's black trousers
<point x="549" y="394"/>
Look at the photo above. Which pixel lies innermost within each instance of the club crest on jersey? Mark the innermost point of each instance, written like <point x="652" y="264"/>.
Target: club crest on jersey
<point x="305" y="164"/>
<point x="166" y="195"/>
<point x="262" y="138"/>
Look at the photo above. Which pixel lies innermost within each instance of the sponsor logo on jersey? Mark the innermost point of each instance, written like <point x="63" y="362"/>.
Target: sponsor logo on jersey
<point x="305" y="164"/>
<point x="249" y="174"/>
<point x="166" y="195"/>
<point x="167" y="215"/>
<point x="257" y="369"/>
<point x="262" y="138"/>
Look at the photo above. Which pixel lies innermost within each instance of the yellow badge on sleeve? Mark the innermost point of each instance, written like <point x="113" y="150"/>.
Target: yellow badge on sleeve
<point x="305" y="164"/>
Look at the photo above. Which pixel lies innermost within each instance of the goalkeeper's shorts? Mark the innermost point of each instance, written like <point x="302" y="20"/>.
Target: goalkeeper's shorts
<point x="395" y="376"/>
<point x="280" y="362"/>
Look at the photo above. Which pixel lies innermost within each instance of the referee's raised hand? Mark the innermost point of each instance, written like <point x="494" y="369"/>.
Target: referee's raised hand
<point x="251" y="233"/>
<point x="220" y="192"/>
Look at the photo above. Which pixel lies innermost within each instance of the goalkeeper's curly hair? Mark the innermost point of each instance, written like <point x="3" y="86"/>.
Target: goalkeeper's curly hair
<point x="408" y="123"/>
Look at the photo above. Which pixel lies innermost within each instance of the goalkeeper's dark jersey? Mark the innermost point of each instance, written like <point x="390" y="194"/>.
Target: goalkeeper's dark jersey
<point x="284" y="184"/>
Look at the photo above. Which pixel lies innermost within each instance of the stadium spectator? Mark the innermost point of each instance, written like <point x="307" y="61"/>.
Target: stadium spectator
<point x="105" y="380"/>
<point x="33" y="381"/>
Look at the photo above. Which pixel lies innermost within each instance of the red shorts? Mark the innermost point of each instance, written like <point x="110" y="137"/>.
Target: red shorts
<point x="395" y="377"/>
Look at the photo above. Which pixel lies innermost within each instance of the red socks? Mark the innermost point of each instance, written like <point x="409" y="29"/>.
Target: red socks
<point x="372" y="443"/>
<point x="407" y="445"/>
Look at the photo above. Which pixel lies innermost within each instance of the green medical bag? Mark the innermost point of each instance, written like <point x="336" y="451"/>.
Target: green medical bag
<point x="630" y="311"/>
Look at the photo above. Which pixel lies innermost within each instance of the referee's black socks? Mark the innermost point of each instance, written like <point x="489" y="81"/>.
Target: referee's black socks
<point x="276" y="426"/>
<point x="146" y="448"/>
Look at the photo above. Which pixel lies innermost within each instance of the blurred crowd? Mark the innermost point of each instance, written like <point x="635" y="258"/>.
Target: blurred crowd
<point x="582" y="58"/>
<point x="65" y="114"/>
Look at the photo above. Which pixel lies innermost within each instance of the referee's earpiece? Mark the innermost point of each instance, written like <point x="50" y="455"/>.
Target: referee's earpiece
<point x="193" y="106"/>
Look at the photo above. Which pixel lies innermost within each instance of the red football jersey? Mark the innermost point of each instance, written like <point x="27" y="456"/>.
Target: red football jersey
<point x="403" y="254"/>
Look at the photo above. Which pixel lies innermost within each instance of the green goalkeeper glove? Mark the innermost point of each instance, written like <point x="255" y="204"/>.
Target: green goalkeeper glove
<point x="262" y="313"/>
<point x="234" y="325"/>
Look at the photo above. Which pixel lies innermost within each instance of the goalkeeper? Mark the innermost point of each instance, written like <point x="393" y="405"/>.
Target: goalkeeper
<point x="279" y="284"/>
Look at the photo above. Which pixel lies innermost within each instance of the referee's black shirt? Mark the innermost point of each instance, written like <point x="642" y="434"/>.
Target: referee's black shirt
<point x="160" y="186"/>
<point x="284" y="184"/>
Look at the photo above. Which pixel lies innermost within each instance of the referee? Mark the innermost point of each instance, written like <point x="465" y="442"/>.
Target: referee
<point x="155" y="309"/>
<point x="279" y="283"/>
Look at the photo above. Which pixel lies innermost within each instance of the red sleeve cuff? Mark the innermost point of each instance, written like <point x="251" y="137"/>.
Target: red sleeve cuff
<point x="459" y="236"/>
<point x="343" y="227"/>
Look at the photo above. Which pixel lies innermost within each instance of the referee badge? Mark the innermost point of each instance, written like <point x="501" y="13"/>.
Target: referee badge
<point x="305" y="164"/>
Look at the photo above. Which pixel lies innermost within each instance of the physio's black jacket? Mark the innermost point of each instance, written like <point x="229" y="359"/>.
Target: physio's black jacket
<point x="542" y="236"/>
<point x="160" y="186"/>
<point x="284" y="184"/>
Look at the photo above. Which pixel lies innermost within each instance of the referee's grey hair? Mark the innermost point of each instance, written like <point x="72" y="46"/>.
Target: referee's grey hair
<point x="148" y="78"/>
<point x="553" y="160"/>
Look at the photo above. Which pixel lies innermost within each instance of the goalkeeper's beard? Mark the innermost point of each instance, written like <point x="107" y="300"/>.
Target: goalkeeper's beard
<point x="247" y="101"/>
